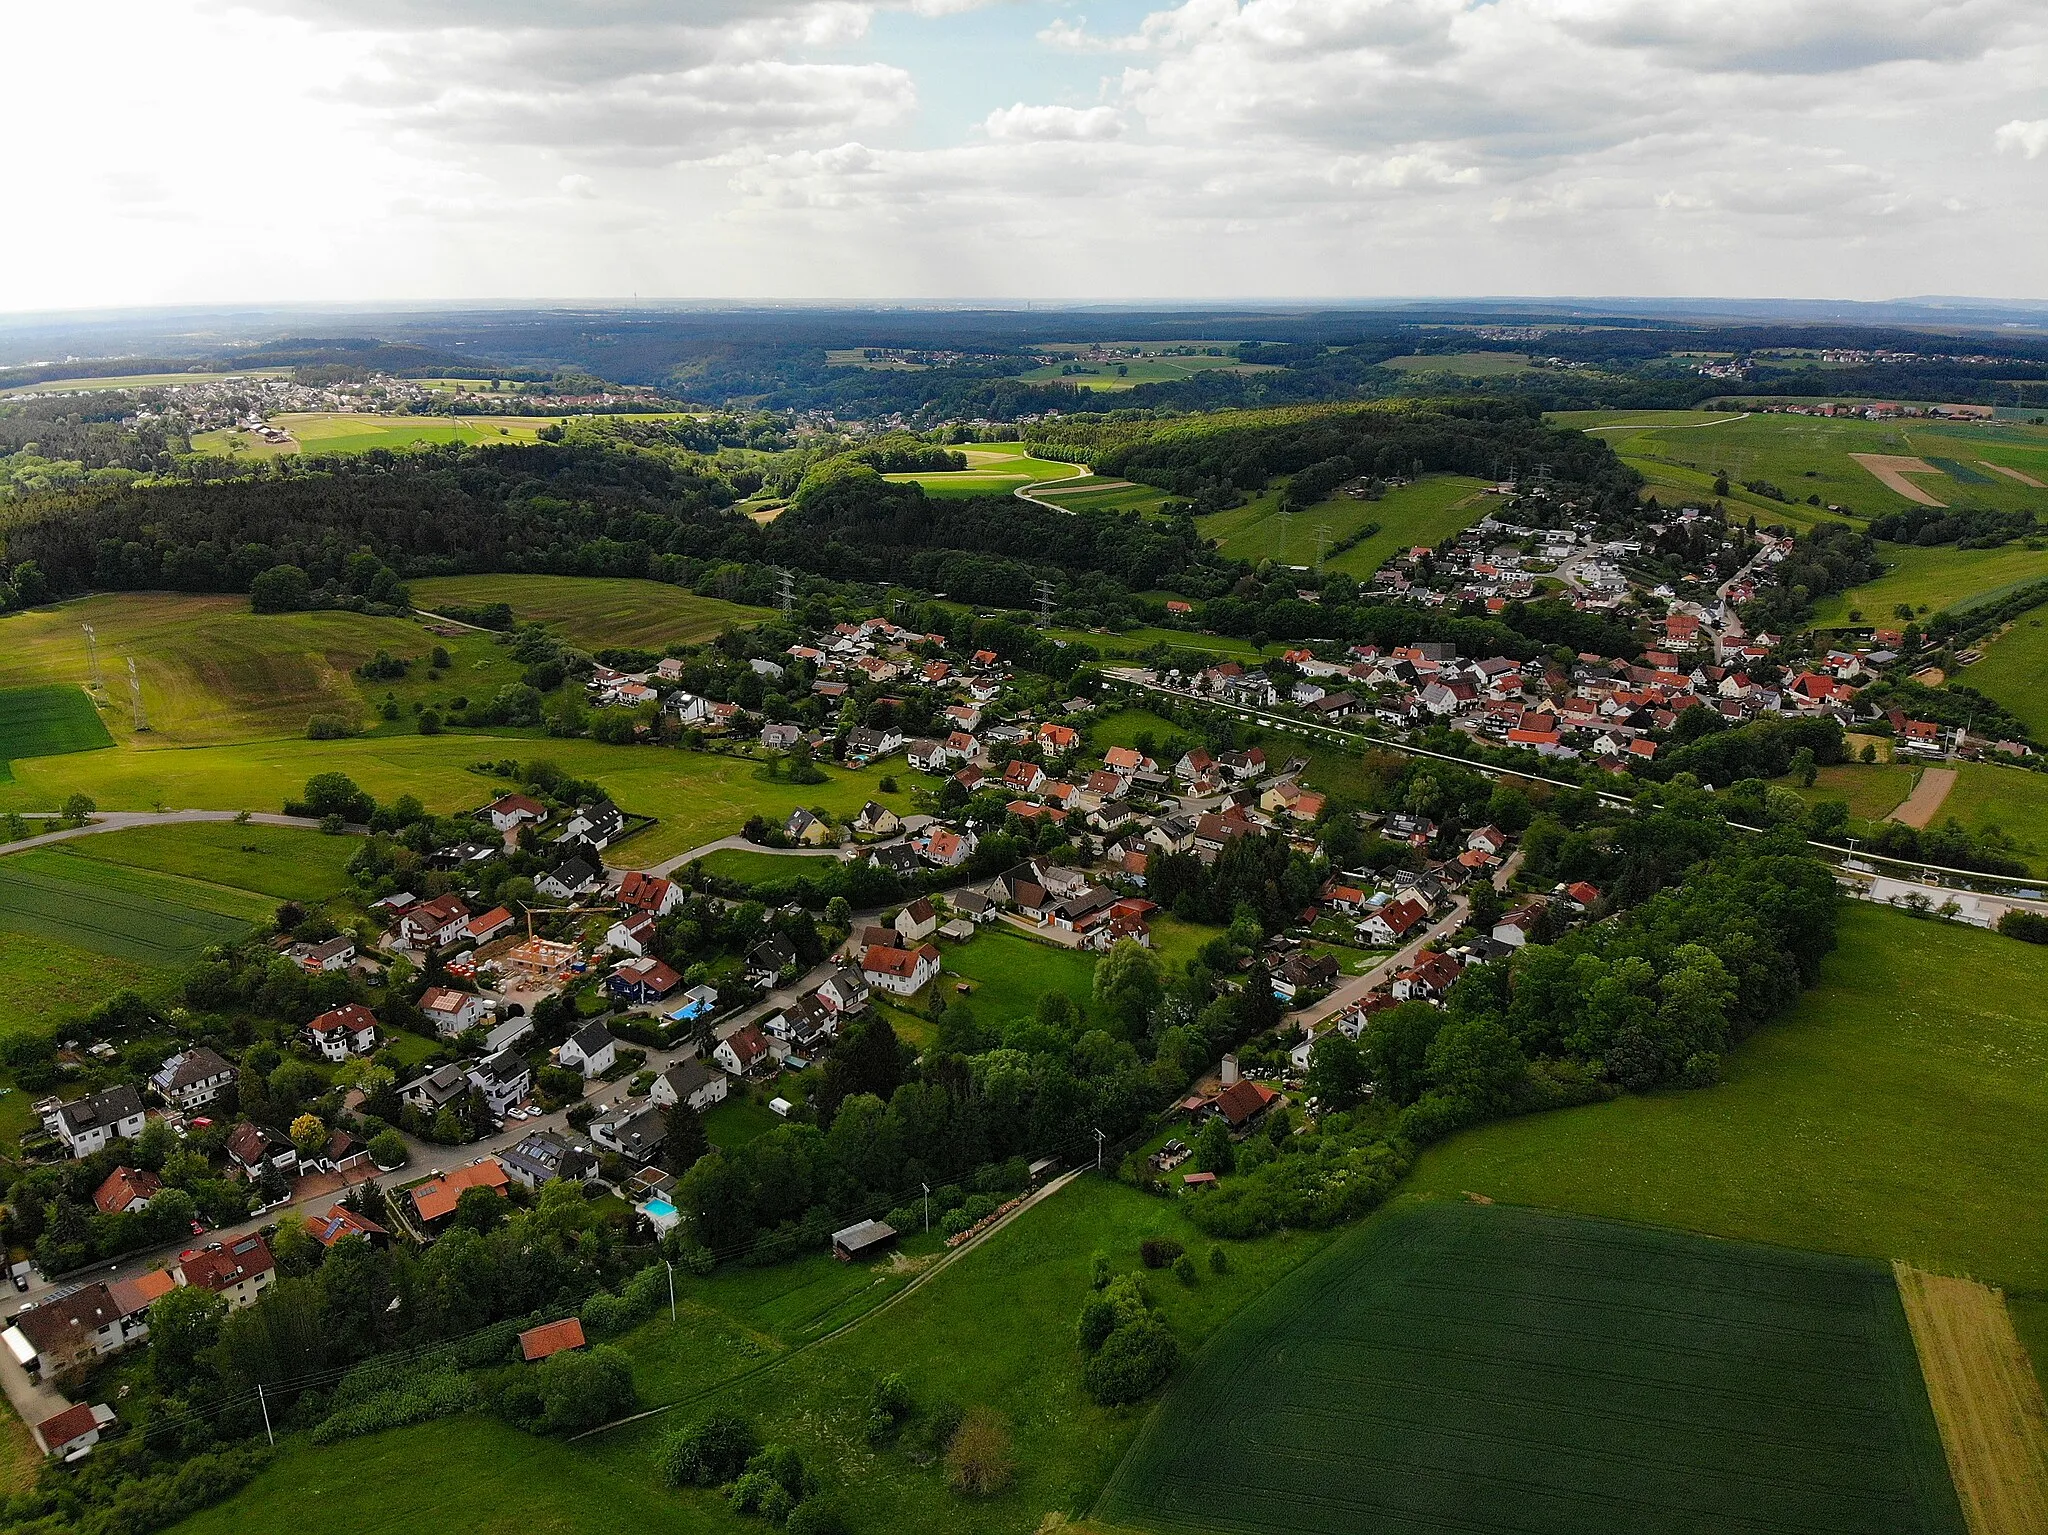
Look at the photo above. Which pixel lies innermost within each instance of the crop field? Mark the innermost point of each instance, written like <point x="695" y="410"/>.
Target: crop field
<point x="49" y="982"/>
<point x="48" y="721"/>
<point x="1899" y="1111"/>
<point x="316" y="432"/>
<point x="1810" y="455"/>
<point x="993" y="469"/>
<point x="1095" y="493"/>
<point x="1470" y="1369"/>
<point x="1425" y="512"/>
<point x="595" y="612"/>
<point x="141" y="381"/>
<point x="1462" y="364"/>
<point x="212" y="671"/>
<point x="697" y="796"/>
<point x="1128" y="373"/>
<point x="281" y="862"/>
<point x="1933" y="579"/>
<point x="2014" y="670"/>
<point x="2012" y="799"/>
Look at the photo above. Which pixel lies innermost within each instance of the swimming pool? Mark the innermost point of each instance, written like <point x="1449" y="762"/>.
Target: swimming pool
<point x="659" y="1207"/>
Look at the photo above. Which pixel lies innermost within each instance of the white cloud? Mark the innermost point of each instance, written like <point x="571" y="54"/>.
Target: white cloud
<point x="2023" y="138"/>
<point x="1021" y="123"/>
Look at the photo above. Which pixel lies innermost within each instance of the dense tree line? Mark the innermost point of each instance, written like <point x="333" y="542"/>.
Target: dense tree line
<point x="1967" y="527"/>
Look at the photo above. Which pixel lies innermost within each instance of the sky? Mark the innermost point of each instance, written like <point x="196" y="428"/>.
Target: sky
<point x="221" y="151"/>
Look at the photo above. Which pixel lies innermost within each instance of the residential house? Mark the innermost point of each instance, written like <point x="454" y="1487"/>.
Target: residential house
<point x="513" y="811"/>
<point x="543" y="1156"/>
<point x="690" y="1081"/>
<point x="324" y="958"/>
<point x="72" y="1329"/>
<point x="864" y="745"/>
<point x="770" y="960"/>
<point x="1394" y="921"/>
<point x="341" y="1222"/>
<point x="649" y="894"/>
<point x="944" y="847"/>
<point x="1428" y="979"/>
<point x="638" y="982"/>
<point x="900" y="972"/>
<point x="437" y="1089"/>
<point x="1516" y="928"/>
<point x="844" y="990"/>
<point x="590" y="1050"/>
<point x="95" y="1122"/>
<point x="1300" y="974"/>
<point x="340" y="1032"/>
<point x="917" y="921"/>
<point x="193" y="1078"/>
<point x="634" y="1133"/>
<point x="743" y="1052"/>
<point x="451" y="1011"/>
<point x="876" y="821"/>
<point x="428" y="925"/>
<point x="631" y="935"/>
<point x="238" y="1271"/>
<point x="126" y="1190"/>
<point x="781" y="737"/>
<point x="1241" y="1103"/>
<point x="804" y="828"/>
<point x="481" y="930"/>
<point x="973" y="905"/>
<point x="899" y="858"/>
<point x="572" y="877"/>
<point x="929" y="756"/>
<point x="504" y="1079"/>
<point x="254" y="1149"/>
<point x="435" y="1200"/>
<point x="600" y="825"/>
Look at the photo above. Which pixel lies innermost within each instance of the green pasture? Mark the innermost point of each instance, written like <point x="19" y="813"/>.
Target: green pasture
<point x="1871" y="791"/>
<point x="993" y="469"/>
<point x="282" y="862"/>
<point x="1425" y="512"/>
<point x="697" y="796"/>
<point x="211" y="671"/>
<point x="1122" y="727"/>
<point x="2014" y="670"/>
<point x="316" y="432"/>
<point x="594" y="612"/>
<point x="1933" y="578"/>
<point x="752" y="868"/>
<point x="1462" y="364"/>
<point x="1129" y="372"/>
<point x="143" y="381"/>
<point x="48" y="721"/>
<point x="45" y="982"/>
<point x="1899" y="1111"/>
<point x="2010" y="798"/>
<point x="1136" y="642"/>
<point x="1460" y="1370"/>
<point x="1810" y="455"/>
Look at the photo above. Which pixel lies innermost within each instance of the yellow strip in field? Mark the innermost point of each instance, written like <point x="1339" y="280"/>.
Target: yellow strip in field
<point x="1986" y="1399"/>
<point x="1891" y="470"/>
<point x="2012" y="474"/>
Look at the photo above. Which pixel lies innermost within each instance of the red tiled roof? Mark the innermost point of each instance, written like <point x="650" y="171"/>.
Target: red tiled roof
<point x="72" y="1423"/>
<point x="438" y="1196"/>
<point x="225" y="1265"/>
<point x="124" y="1186"/>
<point x="538" y="1343"/>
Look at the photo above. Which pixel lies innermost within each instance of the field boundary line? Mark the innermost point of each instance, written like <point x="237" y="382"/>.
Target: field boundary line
<point x="1986" y="1398"/>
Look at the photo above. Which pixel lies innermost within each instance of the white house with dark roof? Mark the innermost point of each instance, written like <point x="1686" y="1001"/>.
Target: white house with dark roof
<point x="590" y="1050"/>
<point x="192" y="1078"/>
<point x="93" y="1123"/>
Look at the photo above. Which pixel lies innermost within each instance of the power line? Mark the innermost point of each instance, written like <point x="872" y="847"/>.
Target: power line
<point x="92" y="650"/>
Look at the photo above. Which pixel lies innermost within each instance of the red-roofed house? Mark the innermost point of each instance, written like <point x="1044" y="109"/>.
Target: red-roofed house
<point x="899" y="971"/>
<point x="1244" y="1101"/>
<point x="74" y="1430"/>
<point x="1394" y="921"/>
<point x="341" y="1222"/>
<point x="340" y="1032"/>
<point x="515" y="809"/>
<point x="238" y="1271"/>
<point x="649" y="893"/>
<point x="435" y="1199"/>
<point x="127" y="1189"/>
<point x="743" y="1052"/>
<point x="483" y="929"/>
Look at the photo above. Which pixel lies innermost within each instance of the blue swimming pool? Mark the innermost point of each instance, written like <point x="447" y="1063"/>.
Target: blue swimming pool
<point x="660" y="1207"/>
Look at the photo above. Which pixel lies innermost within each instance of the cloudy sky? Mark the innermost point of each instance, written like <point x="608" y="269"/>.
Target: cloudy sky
<point x="257" y="150"/>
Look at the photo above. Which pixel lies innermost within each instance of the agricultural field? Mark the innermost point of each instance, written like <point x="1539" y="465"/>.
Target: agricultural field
<point x="1128" y="372"/>
<point x="1811" y="455"/>
<point x="315" y="432"/>
<point x="141" y="381"/>
<point x="1094" y="493"/>
<point x="1931" y="579"/>
<point x="993" y="469"/>
<point x="696" y="796"/>
<point x="213" y="672"/>
<point x="1459" y="1368"/>
<point x="1462" y="364"/>
<point x="595" y="612"/>
<point x="51" y="720"/>
<point x="1425" y="512"/>
<point x="1894" y="1113"/>
<point x="2011" y="799"/>
<point x="281" y="862"/>
<point x="2014" y="670"/>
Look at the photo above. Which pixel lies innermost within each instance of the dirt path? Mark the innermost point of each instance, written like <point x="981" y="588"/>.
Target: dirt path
<point x="1927" y="798"/>
<point x="1986" y="1399"/>
<point x="2012" y="474"/>
<point x="1890" y="471"/>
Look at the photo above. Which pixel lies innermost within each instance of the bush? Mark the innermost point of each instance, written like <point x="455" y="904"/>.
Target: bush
<point x="708" y="1453"/>
<point x="441" y="1394"/>
<point x="387" y="1149"/>
<point x="1117" y="1304"/>
<point x="2027" y="926"/>
<point x="1099" y="1271"/>
<point x="1159" y="1252"/>
<point x="1133" y="1363"/>
<point x="1184" y="1270"/>
<point x="579" y="1390"/>
<point x="978" y="1461"/>
<point x="814" y="1517"/>
<point x="889" y="1407"/>
<point x="1219" y="1260"/>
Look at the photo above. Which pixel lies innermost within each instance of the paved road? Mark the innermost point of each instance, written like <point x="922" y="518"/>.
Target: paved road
<point x="669" y="866"/>
<point x="128" y="820"/>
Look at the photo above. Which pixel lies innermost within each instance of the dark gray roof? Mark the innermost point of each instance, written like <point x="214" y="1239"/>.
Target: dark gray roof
<point x="101" y="1109"/>
<point x="592" y="1038"/>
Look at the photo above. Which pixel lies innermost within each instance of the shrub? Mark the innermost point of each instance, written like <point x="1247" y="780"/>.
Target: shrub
<point x="889" y="1406"/>
<point x="1184" y="1269"/>
<point x="1119" y="1303"/>
<point x="1099" y="1270"/>
<point x="815" y="1517"/>
<point x="1219" y="1260"/>
<point x="1133" y="1363"/>
<point x="978" y="1461"/>
<point x="2027" y="926"/>
<point x="1159" y="1252"/>
<point x="580" y="1391"/>
<point x="440" y="1394"/>
<point x="709" y="1452"/>
<point x="387" y="1149"/>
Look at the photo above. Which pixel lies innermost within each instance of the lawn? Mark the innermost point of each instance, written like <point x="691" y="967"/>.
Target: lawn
<point x="48" y="721"/>
<point x="697" y="796"/>
<point x="1899" y="1111"/>
<point x="1473" y="1370"/>
<point x="212" y="671"/>
<point x="595" y="612"/>
<point x="1871" y="791"/>
<point x="2014" y="671"/>
<point x="1809" y="455"/>
<point x="1009" y="972"/>
<point x="993" y="469"/>
<point x="1124" y="726"/>
<point x="1931" y="579"/>
<point x="359" y="432"/>
<point x="2012" y="799"/>
<point x="751" y="868"/>
<point x="277" y="861"/>
<point x="1425" y="512"/>
<point x="995" y="1329"/>
<point x="738" y="1119"/>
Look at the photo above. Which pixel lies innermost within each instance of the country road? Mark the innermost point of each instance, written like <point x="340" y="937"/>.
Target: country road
<point x="128" y="820"/>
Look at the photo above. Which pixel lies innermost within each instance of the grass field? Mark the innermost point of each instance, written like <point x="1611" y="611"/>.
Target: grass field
<point x="1010" y="972"/>
<point x="594" y="612"/>
<point x="1871" y="791"/>
<point x="48" y="721"/>
<point x="697" y="796"/>
<point x="1092" y="493"/>
<point x="751" y="868"/>
<point x="1462" y="364"/>
<point x="1131" y="372"/>
<point x="1809" y="455"/>
<point x="2012" y="799"/>
<point x="1425" y="512"/>
<point x="2014" y="670"/>
<point x="993" y="469"/>
<point x="143" y="381"/>
<point x="354" y="432"/>
<point x="281" y="862"/>
<point x="1900" y="1111"/>
<point x="1135" y="642"/>
<point x="212" y="671"/>
<point x="1464" y="1369"/>
<point x="1933" y="579"/>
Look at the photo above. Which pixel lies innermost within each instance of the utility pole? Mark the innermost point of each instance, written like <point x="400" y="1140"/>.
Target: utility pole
<point x="787" y="582"/>
<point x="1286" y="523"/>
<point x="264" y="1403"/>
<point x="1322" y="542"/>
<point x="927" y="1207"/>
<point x="671" y="1290"/>
<point x="135" y="697"/>
<point x="92" y="650"/>
<point x="1099" y="1139"/>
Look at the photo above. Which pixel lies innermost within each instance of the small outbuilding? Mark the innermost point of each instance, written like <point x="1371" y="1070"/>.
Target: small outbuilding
<point x="859" y="1241"/>
<point x="550" y="1338"/>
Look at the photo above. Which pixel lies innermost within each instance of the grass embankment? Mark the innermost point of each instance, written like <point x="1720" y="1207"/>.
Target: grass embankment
<point x="2014" y="671"/>
<point x="1899" y="1111"/>
<point x="697" y="796"/>
<point x="594" y="612"/>
<point x="2012" y="799"/>
<point x="1463" y="1369"/>
<point x="1425" y="512"/>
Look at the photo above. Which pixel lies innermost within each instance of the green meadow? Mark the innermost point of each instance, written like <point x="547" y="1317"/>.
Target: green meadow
<point x="48" y="721"/>
<point x="1932" y="579"/>
<point x="993" y="469"/>
<point x="594" y="612"/>
<point x="317" y="432"/>
<point x="1461" y="364"/>
<point x="2014" y="670"/>
<point x="1425" y="512"/>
